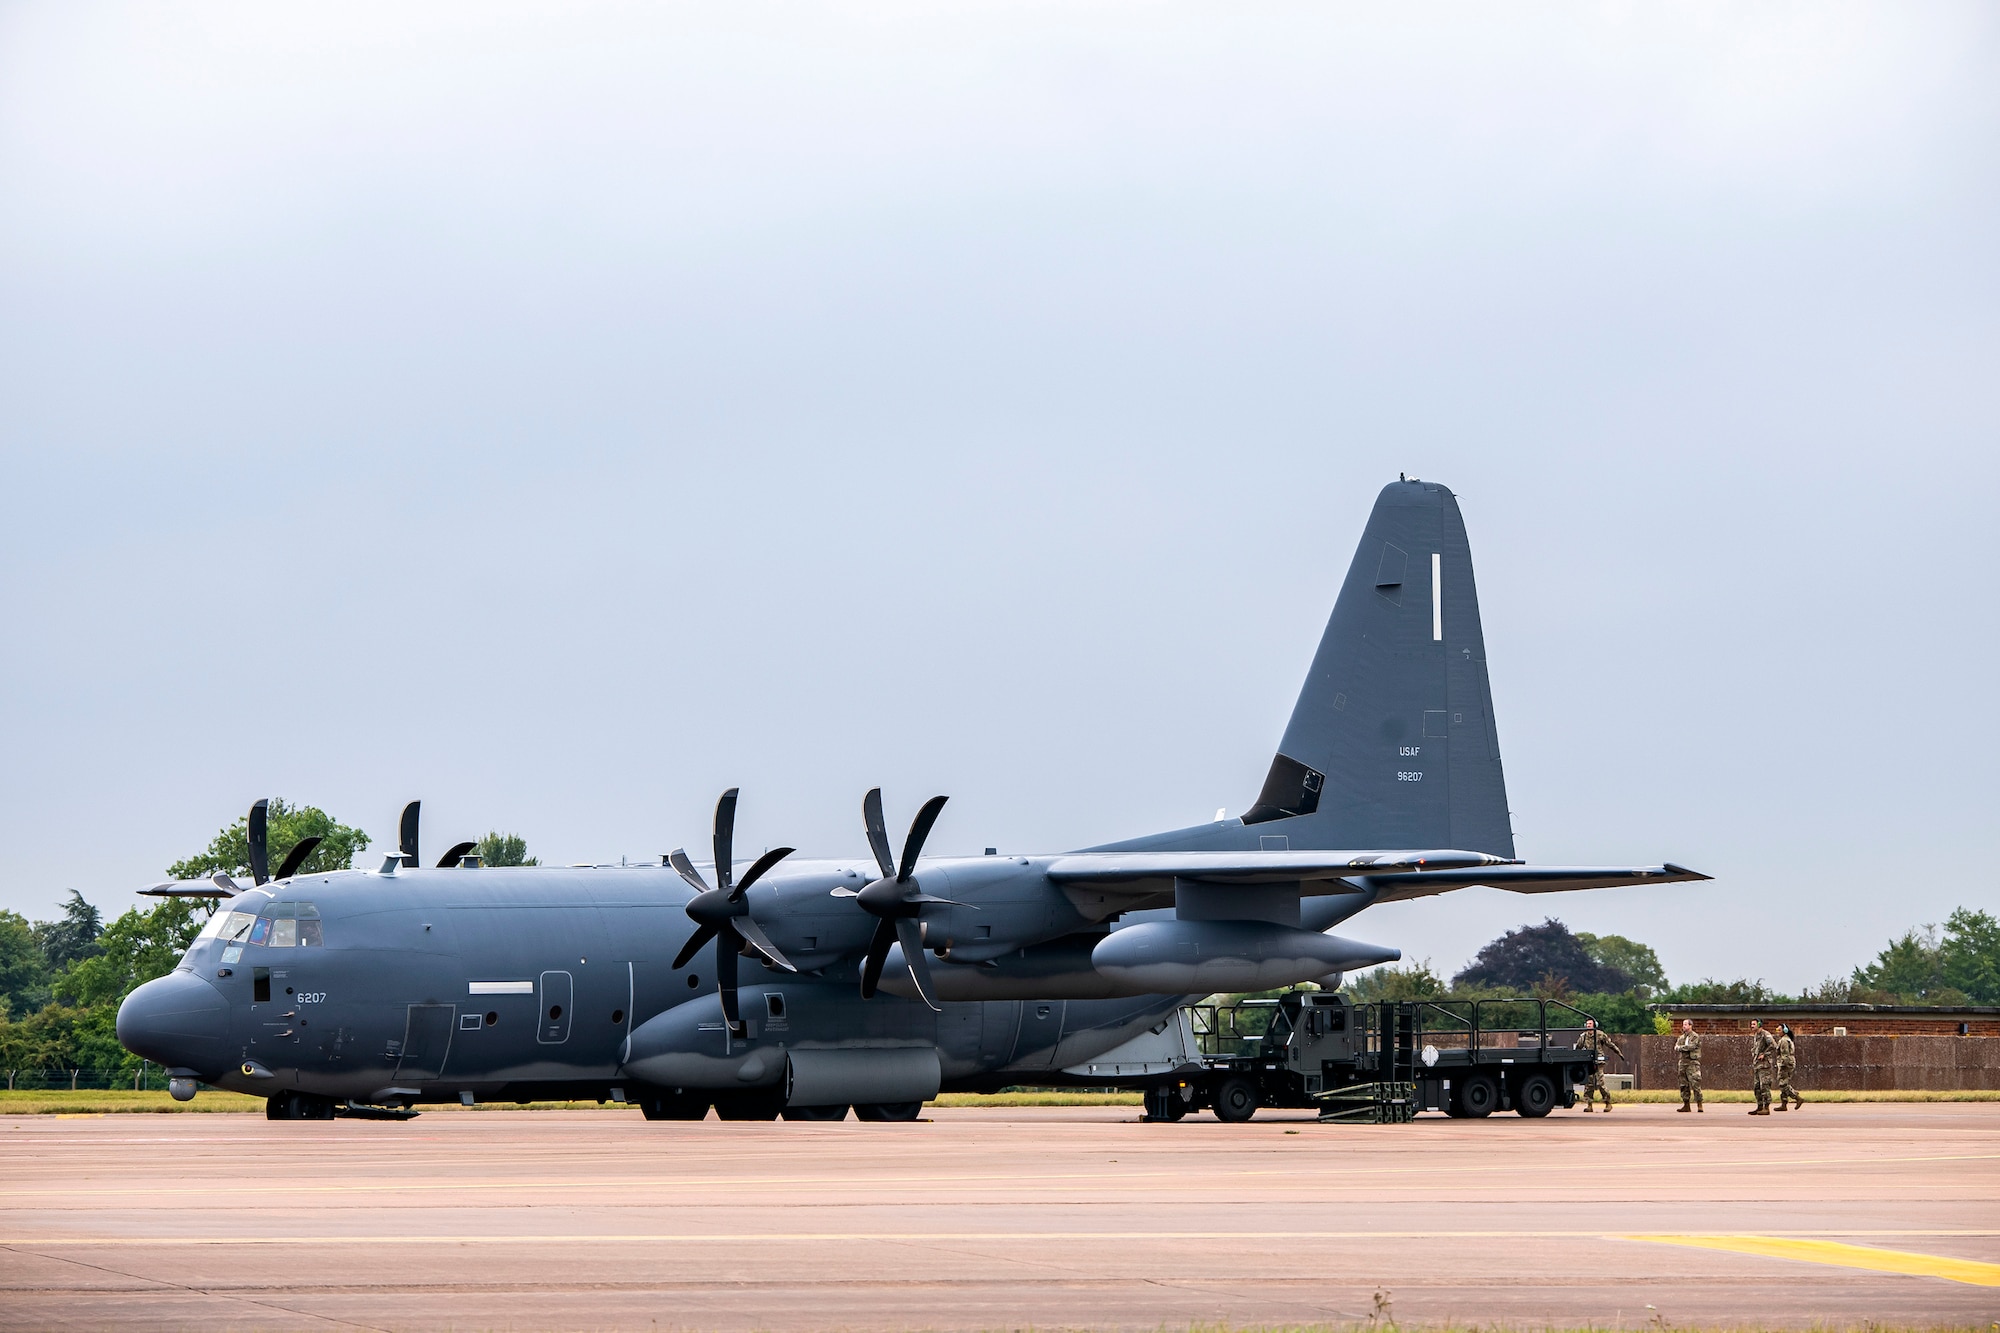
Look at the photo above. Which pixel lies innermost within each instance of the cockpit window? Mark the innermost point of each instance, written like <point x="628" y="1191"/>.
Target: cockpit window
<point x="287" y="926"/>
<point x="233" y="927"/>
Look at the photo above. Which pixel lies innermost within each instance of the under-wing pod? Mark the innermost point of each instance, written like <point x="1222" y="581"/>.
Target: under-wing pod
<point x="1196" y="957"/>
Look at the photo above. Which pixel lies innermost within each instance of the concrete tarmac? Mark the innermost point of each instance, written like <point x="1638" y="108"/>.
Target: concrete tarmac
<point x="1002" y="1219"/>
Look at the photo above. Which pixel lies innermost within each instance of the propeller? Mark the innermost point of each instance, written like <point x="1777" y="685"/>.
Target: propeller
<point x="297" y="856"/>
<point x="408" y="841"/>
<point x="722" y="914"/>
<point x="260" y="849"/>
<point x="455" y="855"/>
<point x="896" y="900"/>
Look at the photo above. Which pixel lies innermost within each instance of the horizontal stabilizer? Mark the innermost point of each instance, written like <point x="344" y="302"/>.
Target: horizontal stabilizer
<point x="1529" y="879"/>
<point x="1151" y="872"/>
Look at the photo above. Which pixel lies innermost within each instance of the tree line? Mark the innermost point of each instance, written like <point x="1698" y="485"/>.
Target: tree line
<point x="1614" y="978"/>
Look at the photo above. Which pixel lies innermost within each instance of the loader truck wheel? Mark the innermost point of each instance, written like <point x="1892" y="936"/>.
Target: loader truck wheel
<point x="1535" y="1097"/>
<point x="1479" y="1097"/>
<point x="1235" y="1100"/>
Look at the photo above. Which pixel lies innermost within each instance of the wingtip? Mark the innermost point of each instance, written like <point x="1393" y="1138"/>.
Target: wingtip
<point x="1685" y="873"/>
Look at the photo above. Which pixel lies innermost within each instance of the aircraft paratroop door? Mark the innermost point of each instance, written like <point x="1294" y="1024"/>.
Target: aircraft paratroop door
<point x="558" y="995"/>
<point x="426" y="1041"/>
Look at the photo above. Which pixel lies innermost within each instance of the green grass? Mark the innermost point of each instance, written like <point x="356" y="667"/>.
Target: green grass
<point x="118" y="1101"/>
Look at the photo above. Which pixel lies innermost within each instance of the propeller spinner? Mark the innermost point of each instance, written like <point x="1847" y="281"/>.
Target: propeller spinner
<point x="896" y="900"/>
<point x="723" y="914"/>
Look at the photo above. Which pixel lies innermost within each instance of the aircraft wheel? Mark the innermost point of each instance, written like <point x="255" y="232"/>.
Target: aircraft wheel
<point x="1165" y="1104"/>
<point x="1479" y="1097"/>
<point x="889" y="1111"/>
<point x="298" y="1106"/>
<point x="764" y="1104"/>
<point x="815" y="1113"/>
<point x="1235" y="1100"/>
<point x="669" y="1107"/>
<point x="1535" y="1097"/>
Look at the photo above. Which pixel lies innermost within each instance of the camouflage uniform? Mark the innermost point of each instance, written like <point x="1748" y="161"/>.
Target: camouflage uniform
<point x="1687" y="1054"/>
<point x="1788" y="1062"/>
<point x="1763" y="1062"/>
<point x="1595" y="1040"/>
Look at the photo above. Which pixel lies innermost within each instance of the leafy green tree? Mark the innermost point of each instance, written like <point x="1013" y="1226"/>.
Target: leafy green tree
<point x="137" y="947"/>
<point x="1540" y="956"/>
<point x="1635" y="960"/>
<point x="287" y="824"/>
<point x="1711" y="991"/>
<point x="1624" y="1012"/>
<point x="1413" y="981"/>
<point x="1969" y="957"/>
<point x="24" y="971"/>
<point x="505" y="849"/>
<point x="71" y="936"/>
<point x="1911" y="969"/>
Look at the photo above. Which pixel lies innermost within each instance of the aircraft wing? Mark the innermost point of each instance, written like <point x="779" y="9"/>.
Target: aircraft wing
<point x="1529" y="879"/>
<point x="1155" y="872"/>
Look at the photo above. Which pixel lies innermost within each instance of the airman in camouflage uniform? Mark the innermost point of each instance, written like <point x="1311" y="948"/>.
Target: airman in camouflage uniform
<point x="1687" y="1054"/>
<point x="1763" y="1063"/>
<point x="1594" y="1039"/>
<point x="1788" y="1063"/>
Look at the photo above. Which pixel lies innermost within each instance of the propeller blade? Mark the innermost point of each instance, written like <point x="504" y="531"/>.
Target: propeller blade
<point x="297" y="856"/>
<point x="725" y="980"/>
<point x="455" y="855"/>
<point x="693" y="946"/>
<point x="222" y="881"/>
<point x="761" y="942"/>
<point x="725" y="840"/>
<point x="678" y="859"/>
<point x="878" y="832"/>
<point x="878" y="950"/>
<point x="920" y="829"/>
<point x="764" y="862"/>
<point x="912" y="939"/>
<point x="260" y="850"/>
<point x="845" y="893"/>
<point x="408" y="841"/>
<point x="933" y="898"/>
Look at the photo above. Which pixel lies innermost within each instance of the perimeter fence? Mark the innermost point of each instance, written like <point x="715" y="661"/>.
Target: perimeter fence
<point x="147" y="1077"/>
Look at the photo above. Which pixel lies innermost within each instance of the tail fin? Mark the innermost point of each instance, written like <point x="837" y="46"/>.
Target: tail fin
<point x="1391" y="743"/>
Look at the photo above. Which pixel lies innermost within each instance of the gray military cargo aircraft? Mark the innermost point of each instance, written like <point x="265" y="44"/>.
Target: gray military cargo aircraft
<point x="875" y="982"/>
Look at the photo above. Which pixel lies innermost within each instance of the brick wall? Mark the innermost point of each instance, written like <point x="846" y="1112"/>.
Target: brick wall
<point x="1874" y="1063"/>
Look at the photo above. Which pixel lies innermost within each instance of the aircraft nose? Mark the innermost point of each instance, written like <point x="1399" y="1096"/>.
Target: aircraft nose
<point x="179" y="1021"/>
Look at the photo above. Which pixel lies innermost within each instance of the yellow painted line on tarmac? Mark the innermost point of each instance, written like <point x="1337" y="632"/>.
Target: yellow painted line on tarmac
<point x="749" y="1237"/>
<point x="1970" y="1271"/>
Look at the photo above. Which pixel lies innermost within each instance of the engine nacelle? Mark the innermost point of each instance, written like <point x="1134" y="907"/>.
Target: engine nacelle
<point x="1199" y="957"/>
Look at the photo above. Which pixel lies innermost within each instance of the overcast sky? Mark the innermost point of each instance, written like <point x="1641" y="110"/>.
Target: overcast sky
<point x="561" y="412"/>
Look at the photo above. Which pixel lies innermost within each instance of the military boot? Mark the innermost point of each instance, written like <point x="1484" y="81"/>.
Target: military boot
<point x="1697" y="1104"/>
<point x="1686" y="1106"/>
<point x="1780" y="1106"/>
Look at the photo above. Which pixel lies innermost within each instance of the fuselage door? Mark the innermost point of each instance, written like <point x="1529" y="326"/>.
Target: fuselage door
<point x="426" y="1041"/>
<point x="557" y="998"/>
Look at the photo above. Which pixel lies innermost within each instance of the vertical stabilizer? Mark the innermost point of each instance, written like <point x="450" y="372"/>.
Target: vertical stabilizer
<point x="1391" y="743"/>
